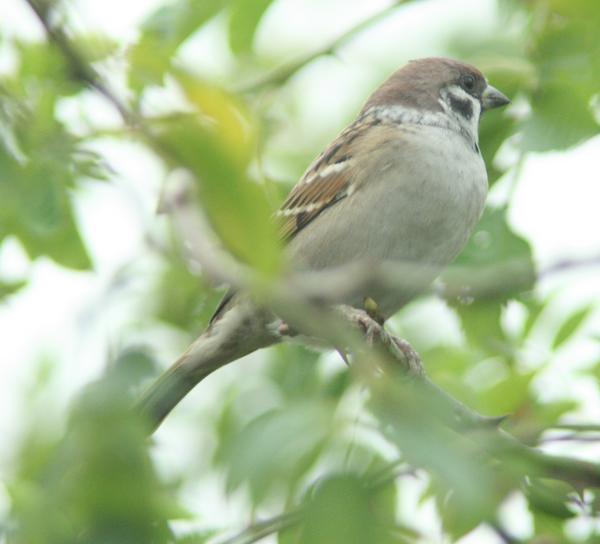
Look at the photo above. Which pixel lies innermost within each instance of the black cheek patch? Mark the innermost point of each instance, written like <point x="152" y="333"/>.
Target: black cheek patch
<point x="462" y="107"/>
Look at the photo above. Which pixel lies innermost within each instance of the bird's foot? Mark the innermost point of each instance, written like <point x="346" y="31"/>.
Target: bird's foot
<point x="375" y="334"/>
<point x="372" y="309"/>
<point x="371" y="328"/>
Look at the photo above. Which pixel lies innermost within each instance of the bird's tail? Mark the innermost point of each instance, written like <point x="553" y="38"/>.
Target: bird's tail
<point x="240" y="331"/>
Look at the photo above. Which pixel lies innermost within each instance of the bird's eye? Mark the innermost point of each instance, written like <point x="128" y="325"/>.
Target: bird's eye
<point x="468" y="82"/>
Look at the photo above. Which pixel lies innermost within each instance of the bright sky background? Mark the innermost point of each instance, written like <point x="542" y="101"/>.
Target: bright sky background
<point x="78" y="318"/>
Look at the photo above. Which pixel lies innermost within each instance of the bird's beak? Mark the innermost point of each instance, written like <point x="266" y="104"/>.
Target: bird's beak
<point x="493" y="98"/>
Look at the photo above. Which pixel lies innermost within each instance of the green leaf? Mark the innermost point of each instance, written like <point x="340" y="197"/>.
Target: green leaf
<point x="343" y="510"/>
<point x="8" y="288"/>
<point x="408" y="418"/>
<point x="562" y="115"/>
<point x="500" y="263"/>
<point x="244" y="18"/>
<point x="535" y="309"/>
<point x="501" y="260"/>
<point x="41" y="160"/>
<point x="181" y="298"/>
<point x="457" y="521"/>
<point x="35" y="207"/>
<point x="534" y="418"/>
<point x="480" y="320"/>
<point x="570" y="326"/>
<point x="493" y="132"/>
<point x="41" y="216"/>
<point x="494" y="242"/>
<point x="94" y="47"/>
<point x="566" y="52"/>
<point x="447" y="365"/>
<point x="95" y="482"/>
<point x="162" y="34"/>
<point x="295" y="370"/>
<point x="217" y="154"/>
<point x="276" y="448"/>
<point x="132" y="367"/>
<point x="550" y="497"/>
<point x="593" y="370"/>
<point x="507" y="395"/>
<point x="44" y="68"/>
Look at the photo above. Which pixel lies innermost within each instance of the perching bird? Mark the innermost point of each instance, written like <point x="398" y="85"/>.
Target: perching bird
<point x="404" y="183"/>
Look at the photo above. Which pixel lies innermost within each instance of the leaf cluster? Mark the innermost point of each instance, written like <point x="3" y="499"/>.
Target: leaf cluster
<point x="335" y="461"/>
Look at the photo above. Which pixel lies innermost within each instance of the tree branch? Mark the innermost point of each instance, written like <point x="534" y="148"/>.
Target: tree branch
<point x="261" y="529"/>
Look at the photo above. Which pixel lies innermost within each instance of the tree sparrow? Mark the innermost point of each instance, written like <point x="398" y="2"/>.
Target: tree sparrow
<point x="405" y="182"/>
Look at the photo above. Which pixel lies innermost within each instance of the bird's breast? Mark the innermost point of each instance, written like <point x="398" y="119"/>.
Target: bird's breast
<point x="438" y="197"/>
<point x="417" y="204"/>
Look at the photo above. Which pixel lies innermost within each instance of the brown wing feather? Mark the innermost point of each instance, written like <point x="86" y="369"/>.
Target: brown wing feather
<point x="327" y="181"/>
<point x="311" y="201"/>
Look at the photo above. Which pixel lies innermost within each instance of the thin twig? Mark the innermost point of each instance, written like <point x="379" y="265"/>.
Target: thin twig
<point x="281" y="74"/>
<point x="80" y="69"/>
<point x="577" y="427"/>
<point x="504" y="535"/>
<point x="261" y="529"/>
<point x="568" y="265"/>
<point x="572" y="437"/>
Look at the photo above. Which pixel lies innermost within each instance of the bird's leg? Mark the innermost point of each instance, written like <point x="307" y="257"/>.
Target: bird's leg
<point x="375" y="334"/>
<point x="371" y="327"/>
<point x="370" y="323"/>
<point x="372" y="309"/>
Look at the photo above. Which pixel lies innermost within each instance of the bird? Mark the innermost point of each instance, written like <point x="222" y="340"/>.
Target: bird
<point x="405" y="182"/>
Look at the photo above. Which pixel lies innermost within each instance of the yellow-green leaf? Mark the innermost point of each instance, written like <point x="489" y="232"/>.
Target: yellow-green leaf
<point x="570" y="326"/>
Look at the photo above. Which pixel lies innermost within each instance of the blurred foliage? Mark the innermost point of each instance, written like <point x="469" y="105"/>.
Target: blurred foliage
<point x="220" y="171"/>
<point x="40" y="159"/>
<point x="95" y="481"/>
<point x="339" y="464"/>
<point x="181" y="299"/>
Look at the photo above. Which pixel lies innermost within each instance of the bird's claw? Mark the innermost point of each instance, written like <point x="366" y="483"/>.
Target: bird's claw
<point x="374" y="333"/>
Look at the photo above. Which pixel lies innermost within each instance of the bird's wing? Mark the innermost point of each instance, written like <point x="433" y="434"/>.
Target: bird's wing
<point x="328" y="180"/>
